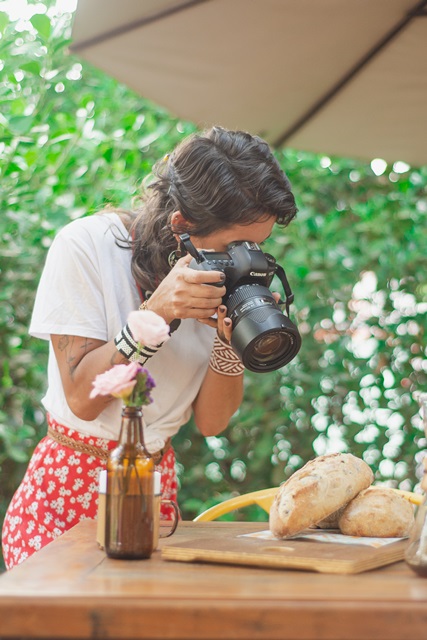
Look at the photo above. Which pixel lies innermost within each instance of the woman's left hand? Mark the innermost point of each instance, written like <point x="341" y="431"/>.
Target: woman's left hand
<point x="221" y="323"/>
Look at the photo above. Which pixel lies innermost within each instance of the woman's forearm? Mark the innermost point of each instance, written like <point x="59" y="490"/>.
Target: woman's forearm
<point x="218" y="399"/>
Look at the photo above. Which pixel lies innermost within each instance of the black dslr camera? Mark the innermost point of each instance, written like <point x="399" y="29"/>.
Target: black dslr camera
<point x="263" y="337"/>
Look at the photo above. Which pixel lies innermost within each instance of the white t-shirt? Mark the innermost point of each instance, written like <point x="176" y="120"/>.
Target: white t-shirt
<point x="87" y="289"/>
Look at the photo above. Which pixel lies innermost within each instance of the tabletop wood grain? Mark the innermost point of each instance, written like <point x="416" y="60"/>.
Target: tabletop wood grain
<point x="71" y="590"/>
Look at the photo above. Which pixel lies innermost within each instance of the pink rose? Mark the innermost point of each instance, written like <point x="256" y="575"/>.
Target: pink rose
<point x="148" y="328"/>
<point x="118" y="381"/>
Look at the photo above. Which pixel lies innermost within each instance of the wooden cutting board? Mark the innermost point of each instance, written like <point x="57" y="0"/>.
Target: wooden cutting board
<point x="297" y="553"/>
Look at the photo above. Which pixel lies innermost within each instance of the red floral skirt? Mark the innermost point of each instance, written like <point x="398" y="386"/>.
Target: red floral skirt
<point x="60" y="488"/>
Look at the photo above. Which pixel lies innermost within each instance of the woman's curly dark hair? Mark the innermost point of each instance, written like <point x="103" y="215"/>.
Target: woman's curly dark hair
<point x="216" y="179"/>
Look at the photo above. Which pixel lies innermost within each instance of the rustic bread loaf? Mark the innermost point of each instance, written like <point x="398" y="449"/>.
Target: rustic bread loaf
<point x="331" y="522"/>
<point x="378" y="512"/>
<point x="316" y="490"/>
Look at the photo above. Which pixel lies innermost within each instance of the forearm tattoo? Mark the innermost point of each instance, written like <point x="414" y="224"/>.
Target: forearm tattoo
<point x="118" y="358"/>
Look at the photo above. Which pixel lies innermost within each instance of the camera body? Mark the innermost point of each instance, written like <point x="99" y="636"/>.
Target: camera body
<point x="242" y="263"/>
<point x="263" y="337"/>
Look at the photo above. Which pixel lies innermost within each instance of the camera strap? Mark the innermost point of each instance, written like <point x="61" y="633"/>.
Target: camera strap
<point x="289" y="296"/>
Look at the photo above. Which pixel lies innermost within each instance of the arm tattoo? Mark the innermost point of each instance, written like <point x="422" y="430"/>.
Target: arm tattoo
<point x="86" y="346"/>
<point x="66" y="344"/>
<point x="71" y="359"/>
<point x="63" y="342"/>
<point x="117" y="358"/>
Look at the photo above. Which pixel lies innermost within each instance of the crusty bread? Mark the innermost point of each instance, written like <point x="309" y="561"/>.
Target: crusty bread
<point x="331" y="521"/>
<point x="378" y="512"/>
<point x="316" y="490"/>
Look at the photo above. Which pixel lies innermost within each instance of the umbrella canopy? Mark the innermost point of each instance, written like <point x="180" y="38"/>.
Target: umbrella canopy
<point x="329" y="76"/>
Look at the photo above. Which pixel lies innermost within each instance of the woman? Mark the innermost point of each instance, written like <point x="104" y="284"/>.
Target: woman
<point x="220" y="186"/>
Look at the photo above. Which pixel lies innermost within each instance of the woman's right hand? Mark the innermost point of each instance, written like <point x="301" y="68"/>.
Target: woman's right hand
<point x="187" y="293"/>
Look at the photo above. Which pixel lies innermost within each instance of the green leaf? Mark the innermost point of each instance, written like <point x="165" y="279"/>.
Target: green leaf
<point x="6" y="380"/>
<point x="4" y="21"/>
<point x="42" y="25"/>
<point x="20" y="125"/>
<point x="31" y="66"/>
<point x="61" y="44"/>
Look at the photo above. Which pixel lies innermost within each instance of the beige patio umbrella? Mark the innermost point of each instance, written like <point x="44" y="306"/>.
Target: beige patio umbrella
<point x="331" y="76"/>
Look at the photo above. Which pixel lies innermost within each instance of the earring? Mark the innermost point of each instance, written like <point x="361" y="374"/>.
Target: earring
<point x="174" y="256"/>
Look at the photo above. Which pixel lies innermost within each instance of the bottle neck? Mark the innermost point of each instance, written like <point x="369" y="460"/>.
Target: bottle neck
<point x="131" y="430"/>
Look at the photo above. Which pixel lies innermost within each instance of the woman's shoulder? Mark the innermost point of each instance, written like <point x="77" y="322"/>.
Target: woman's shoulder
<point x="93" y="222"/>
<point x="95" y="227"/>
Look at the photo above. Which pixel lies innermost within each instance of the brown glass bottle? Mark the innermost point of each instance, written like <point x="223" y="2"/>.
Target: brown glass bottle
<point x="130" y="477"/>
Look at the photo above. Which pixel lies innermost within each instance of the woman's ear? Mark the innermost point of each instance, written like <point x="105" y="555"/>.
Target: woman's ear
<point x="179" y="224"/>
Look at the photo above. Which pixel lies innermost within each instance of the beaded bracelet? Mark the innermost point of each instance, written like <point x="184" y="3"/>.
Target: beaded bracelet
<point x="224" y="360"/>
<point x="130" y="349"/>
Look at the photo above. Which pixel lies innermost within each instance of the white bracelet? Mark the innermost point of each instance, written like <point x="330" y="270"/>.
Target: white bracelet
<point x="224" y="360"/>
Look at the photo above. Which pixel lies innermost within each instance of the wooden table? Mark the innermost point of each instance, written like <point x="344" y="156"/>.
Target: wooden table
<point x="70" y="589"/>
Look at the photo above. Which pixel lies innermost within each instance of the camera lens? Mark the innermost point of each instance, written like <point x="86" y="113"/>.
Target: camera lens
<point x="266" y="346"/>
<point x="263" y="338"/>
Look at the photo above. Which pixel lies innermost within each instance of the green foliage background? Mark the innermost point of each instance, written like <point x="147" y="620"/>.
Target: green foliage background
<point x="73" y="140"/>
